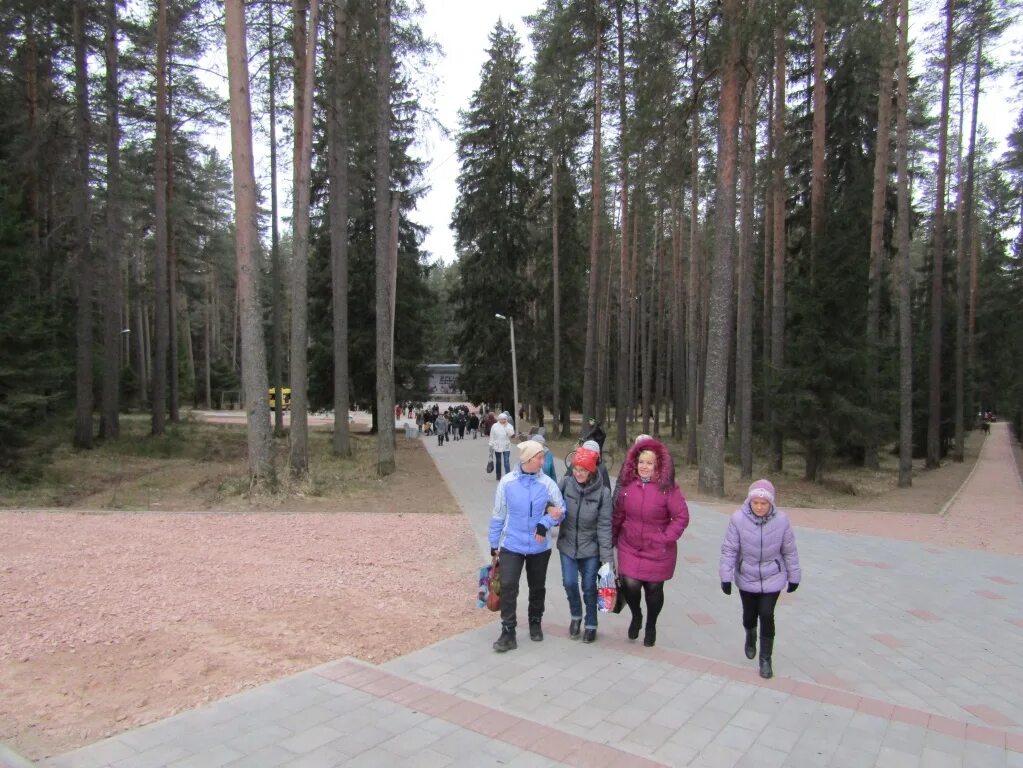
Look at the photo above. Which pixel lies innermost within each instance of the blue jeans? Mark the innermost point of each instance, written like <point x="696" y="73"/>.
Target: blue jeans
<point x="497" y="462"/>
<point x="571" y="570"/>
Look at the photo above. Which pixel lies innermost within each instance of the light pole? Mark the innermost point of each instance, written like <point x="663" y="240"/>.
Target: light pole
<point x="515" y="370"/>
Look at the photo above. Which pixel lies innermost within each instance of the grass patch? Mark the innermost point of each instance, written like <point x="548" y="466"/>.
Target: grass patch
<point x="192" y="465"/>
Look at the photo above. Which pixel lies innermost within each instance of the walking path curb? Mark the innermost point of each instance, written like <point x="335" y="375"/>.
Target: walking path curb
<point x="11" y="759"/>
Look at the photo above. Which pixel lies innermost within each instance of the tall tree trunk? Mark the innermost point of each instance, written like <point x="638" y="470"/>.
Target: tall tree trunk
<point x="337" y="160"/>
<point x="663" y="313"/>
<point x="160" y="281"/>
<point x="305" y="63"/>
<point x="678" y="322"/>
<point x="139" y="331"/>
<point x="185" y="320"/>
<point x="603" y="335"/>
<point x="621" y="380"/>
<point x="247" y="249"/>
<point x="813" y="446"/>
<point x="768" y="276"/>
<point x="174" y="396"/>
<point x="83" y="237"/>
<point x="744" y="313"/>
<point x="779" y="241"/>
<point x="938" y="253"/>
<point x="556" y="403"/>
<point x="109" y="426"/>
<point x="902" y="239"/>
<point x="820" y="91"/>
<point x="877" y="217"/>
<point x="814" y="450"/>
<point x="208" y="338"/>
<point x="719" y="315"/>
<point x="646" y="318"/>
<point x="635" y="276"/>
<point x="693" y="300"/>
<point x="964" y="366"/>
<point x="385" y="361"/>
<point x="596" y="195"/>
<point x="34" y="192"/>
<point x="276" y="269"/>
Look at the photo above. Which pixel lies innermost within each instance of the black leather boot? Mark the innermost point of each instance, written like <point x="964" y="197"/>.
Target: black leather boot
<point x="573" y="628"/>
<point x="635" y="624"/>
<point x="589" y="635"/>
<point x="766" y="647"/>
<point x="650" y="635"/>
<point x="506" y="642"/>
<point x="751" y="643"/>
<point x="535" y="632"/>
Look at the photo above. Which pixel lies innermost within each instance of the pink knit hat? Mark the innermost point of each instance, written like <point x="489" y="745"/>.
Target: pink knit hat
<point x="761" y="489"/>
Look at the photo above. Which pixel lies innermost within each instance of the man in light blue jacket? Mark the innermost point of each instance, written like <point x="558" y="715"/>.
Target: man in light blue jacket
<point x="527" y="505"/>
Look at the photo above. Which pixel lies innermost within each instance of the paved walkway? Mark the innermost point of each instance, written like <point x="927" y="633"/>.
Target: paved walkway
<point x="892" y="653"/>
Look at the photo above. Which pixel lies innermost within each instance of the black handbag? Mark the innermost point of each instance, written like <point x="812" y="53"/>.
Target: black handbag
<point x="619" y="596"/>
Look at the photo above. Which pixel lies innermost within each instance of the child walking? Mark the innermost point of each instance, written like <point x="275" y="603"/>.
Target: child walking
<point x="759" y="554"/>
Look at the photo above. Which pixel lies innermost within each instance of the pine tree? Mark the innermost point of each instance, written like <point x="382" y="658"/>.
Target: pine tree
<point x="490" y="221"/>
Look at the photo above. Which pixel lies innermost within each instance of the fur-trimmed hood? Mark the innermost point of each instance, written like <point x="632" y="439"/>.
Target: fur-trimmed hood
<point x="665" y="466"/>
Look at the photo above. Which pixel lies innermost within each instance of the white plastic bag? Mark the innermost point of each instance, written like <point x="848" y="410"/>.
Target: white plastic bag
<point x="607" y="589"/>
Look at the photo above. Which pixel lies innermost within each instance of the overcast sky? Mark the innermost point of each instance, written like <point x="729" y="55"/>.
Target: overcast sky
<point x="462" y="27"/>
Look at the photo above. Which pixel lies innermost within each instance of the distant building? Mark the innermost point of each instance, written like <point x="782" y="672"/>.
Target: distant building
<point x="442" y="382"/>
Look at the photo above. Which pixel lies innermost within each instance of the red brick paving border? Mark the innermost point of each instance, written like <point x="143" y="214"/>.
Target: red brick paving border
<point x="577" y="751"/>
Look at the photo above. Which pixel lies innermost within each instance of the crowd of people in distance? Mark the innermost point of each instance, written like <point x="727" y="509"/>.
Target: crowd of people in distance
<point x="455" y="422"/>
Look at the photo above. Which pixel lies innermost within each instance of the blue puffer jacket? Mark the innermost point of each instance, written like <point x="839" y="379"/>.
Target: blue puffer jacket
<point x="520" y="503"/>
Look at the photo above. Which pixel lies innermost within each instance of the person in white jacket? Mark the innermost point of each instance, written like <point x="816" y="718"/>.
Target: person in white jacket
<point x="500" y="443"/>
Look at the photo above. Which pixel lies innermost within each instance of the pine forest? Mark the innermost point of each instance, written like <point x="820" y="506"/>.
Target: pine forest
<point x="772" y="227"/>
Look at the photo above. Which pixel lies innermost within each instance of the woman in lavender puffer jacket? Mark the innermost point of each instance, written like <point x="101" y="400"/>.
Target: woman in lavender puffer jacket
<point x="759" y="553"/>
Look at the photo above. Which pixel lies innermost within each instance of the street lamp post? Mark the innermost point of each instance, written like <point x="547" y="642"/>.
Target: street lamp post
<point x="515" y="370"/>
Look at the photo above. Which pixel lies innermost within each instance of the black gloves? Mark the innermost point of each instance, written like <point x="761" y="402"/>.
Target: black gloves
<point x="726" y="587"/>
<point x="493" y="551"/>
<point x="793" y="586"/>
<point x="541" y="530"/>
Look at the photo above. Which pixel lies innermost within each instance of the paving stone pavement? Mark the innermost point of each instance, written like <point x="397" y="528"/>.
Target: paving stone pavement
<point x="892" y="653"/>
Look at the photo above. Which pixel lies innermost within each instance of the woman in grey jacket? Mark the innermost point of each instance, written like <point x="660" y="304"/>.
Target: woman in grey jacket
<point x="584" y="539"/>
<point x="759" y="553"/>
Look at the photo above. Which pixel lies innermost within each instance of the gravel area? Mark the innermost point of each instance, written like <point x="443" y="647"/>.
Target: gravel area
<point x="109" y="621"/>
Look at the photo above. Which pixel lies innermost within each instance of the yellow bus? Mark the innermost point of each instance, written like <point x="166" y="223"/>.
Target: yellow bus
<point x="285" y="404"/>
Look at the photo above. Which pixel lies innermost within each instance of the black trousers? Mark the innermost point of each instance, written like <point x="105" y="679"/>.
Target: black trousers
<point x="511" y="564"/>
<point x="759" y="605"/>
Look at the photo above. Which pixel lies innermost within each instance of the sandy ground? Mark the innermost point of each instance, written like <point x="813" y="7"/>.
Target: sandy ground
<point x="109" y="620"/>
<point x="112" y="620"/>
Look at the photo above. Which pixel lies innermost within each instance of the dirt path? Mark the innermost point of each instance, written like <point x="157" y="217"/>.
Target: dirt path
<point x="972" y="505"/>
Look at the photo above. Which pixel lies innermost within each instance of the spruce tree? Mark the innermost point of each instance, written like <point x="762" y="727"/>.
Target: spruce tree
<point x="490" y="219"/>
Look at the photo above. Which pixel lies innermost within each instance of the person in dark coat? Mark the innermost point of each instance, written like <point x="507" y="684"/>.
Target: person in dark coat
<point x="593" y="431"/>
<point x="440" y="426"/>
<point x="759" y="554"/>
<point x="650" y="514"/>
<point x="488" y="421"/>
<point x="584" y="540"/>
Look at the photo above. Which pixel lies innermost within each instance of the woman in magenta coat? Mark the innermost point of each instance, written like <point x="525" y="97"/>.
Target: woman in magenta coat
<point x="650" y="514"/>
